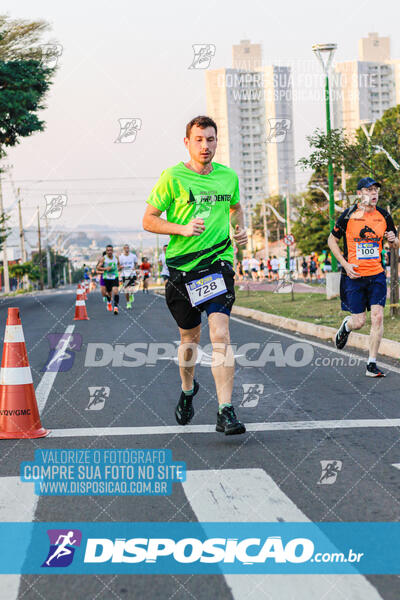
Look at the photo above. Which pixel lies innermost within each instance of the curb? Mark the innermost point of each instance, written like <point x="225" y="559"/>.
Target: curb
<point x="356" y="340"/>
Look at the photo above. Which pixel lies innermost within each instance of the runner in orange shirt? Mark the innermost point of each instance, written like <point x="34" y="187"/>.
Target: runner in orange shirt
<point x="363" y="286"/>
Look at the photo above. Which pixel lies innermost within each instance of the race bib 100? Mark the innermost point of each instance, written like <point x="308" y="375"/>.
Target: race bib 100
<point x="367" y="250"/>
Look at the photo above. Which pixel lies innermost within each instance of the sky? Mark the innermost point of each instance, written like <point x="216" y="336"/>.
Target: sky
<point x="131" y="60"/>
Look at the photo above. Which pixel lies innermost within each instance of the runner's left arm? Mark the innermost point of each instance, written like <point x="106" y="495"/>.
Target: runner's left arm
<point x="391" y="232"/>
<point x="237" y="222"/>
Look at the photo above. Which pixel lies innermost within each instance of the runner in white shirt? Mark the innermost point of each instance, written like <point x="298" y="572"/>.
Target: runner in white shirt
<point x="164" y="269"/>
<point x="254" y="266"/>
<point x="246" y="267"/>
<point x="128" y="261"/>
<point x="275" y="267"/>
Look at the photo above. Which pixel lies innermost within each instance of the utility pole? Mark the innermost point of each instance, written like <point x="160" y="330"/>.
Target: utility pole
<point x="48" y="260"/>
<point x="250" y="221"/>
<point x="21" y="230"/>
<point x="344" y="191"/>
<point x="21" y="238"/>
<point x="394" y="283"/>
<point x="5" y="259"/>
<point x="40" y="251"/>
<point x="287" y="227"/>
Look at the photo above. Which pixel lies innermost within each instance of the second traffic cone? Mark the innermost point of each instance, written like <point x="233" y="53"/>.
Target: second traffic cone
<point x="80" y="306"/>
<point x="83" y="288"/>
<point x="19" y="414"/>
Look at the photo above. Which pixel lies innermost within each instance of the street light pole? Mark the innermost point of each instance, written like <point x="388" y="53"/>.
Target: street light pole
<point x="320" y="50"/>
<point x="330" y="165"/>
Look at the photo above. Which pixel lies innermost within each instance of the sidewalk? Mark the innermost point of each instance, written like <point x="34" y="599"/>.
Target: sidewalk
<point x="264" y="286"/>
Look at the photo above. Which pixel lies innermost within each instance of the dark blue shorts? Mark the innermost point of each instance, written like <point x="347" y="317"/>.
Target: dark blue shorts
<point x="357" y="295"/>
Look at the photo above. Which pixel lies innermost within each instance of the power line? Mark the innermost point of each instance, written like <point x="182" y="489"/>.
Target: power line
<point x="85" y="179"/>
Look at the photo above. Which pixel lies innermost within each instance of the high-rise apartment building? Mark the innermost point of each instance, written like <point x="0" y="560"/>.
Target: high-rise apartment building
<point x="252" y="106"/>
<point x="363" y="89"/>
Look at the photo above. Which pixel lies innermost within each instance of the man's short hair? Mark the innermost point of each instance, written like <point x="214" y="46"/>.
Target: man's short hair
<point x="202" y="122"/>
<point x="109" y="246"/>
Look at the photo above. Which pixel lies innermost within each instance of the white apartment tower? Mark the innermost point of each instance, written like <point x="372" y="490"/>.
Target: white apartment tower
<point x="252" y="106"/>
<point x="363" y="89"/>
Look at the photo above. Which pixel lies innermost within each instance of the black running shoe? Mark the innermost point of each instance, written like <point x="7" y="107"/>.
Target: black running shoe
<point x="373" y="371"/>
<point x="184" y="409"/>
<point x="228" y="423"/>
<point x="342" y="335"/>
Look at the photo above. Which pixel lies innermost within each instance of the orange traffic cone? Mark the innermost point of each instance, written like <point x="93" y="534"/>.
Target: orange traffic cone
<point x="87" y="287"/>
<point x="80" y="306"/>
<point x="19" y="414"/>
<point x="81" y="286"/>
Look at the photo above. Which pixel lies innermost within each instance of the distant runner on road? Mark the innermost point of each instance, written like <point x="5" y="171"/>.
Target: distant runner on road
<point x="199" y="198"/>
<point x="163" y="263"/>
<point x="363" y="283"/>
<point x="109" y="266"/>
<point x="128" y="262"/>
<point x="145" y="268"/>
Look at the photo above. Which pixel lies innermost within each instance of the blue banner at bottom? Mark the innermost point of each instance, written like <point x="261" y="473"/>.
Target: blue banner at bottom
<point x="242" y="548"/>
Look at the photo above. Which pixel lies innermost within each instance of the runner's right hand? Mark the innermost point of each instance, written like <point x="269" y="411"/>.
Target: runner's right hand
<point x="351" y="272"/>
<point x="195" y="227"/>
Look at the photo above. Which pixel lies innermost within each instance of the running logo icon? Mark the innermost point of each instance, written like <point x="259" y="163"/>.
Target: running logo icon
<point x="278" y="129"/>
<point x="203" y="53"/>
<point x="50" y="54"/>
<point x="330" y="470"/>
<point x="54" y="205"/>
<point x="251" y="394"/>
<point x="128" y="129"/>
<point x="98" y="396"/>
<point x="63" y="543"/>
<point x="62" y="351"/>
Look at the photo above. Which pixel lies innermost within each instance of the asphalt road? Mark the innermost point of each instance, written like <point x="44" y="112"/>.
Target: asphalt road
<point x="291" y="380"/>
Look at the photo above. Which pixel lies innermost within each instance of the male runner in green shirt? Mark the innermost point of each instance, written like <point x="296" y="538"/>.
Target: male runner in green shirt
<point x="200" y="197"/>
<point x="109" y="267"/>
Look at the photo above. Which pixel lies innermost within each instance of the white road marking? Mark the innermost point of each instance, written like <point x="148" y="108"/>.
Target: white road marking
<point x="17" y="504"/>
<point x="278" y="331"/>
<point x="46" y="383"/>
<point x="250" y="495"/>
<point x="396" y="465"/>
<point x="272" y="426"/>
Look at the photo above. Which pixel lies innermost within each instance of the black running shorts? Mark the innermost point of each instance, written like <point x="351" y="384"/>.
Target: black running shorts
<point x="177" y="297"/>
<point x="110" y="283"/>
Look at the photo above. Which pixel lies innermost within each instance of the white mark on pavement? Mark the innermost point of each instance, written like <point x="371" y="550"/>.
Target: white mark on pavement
<point x="176" y="429"/>
<point x="250" y="495"/>
<point x="17" y="504"/>
<point x="47" y="381"/>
